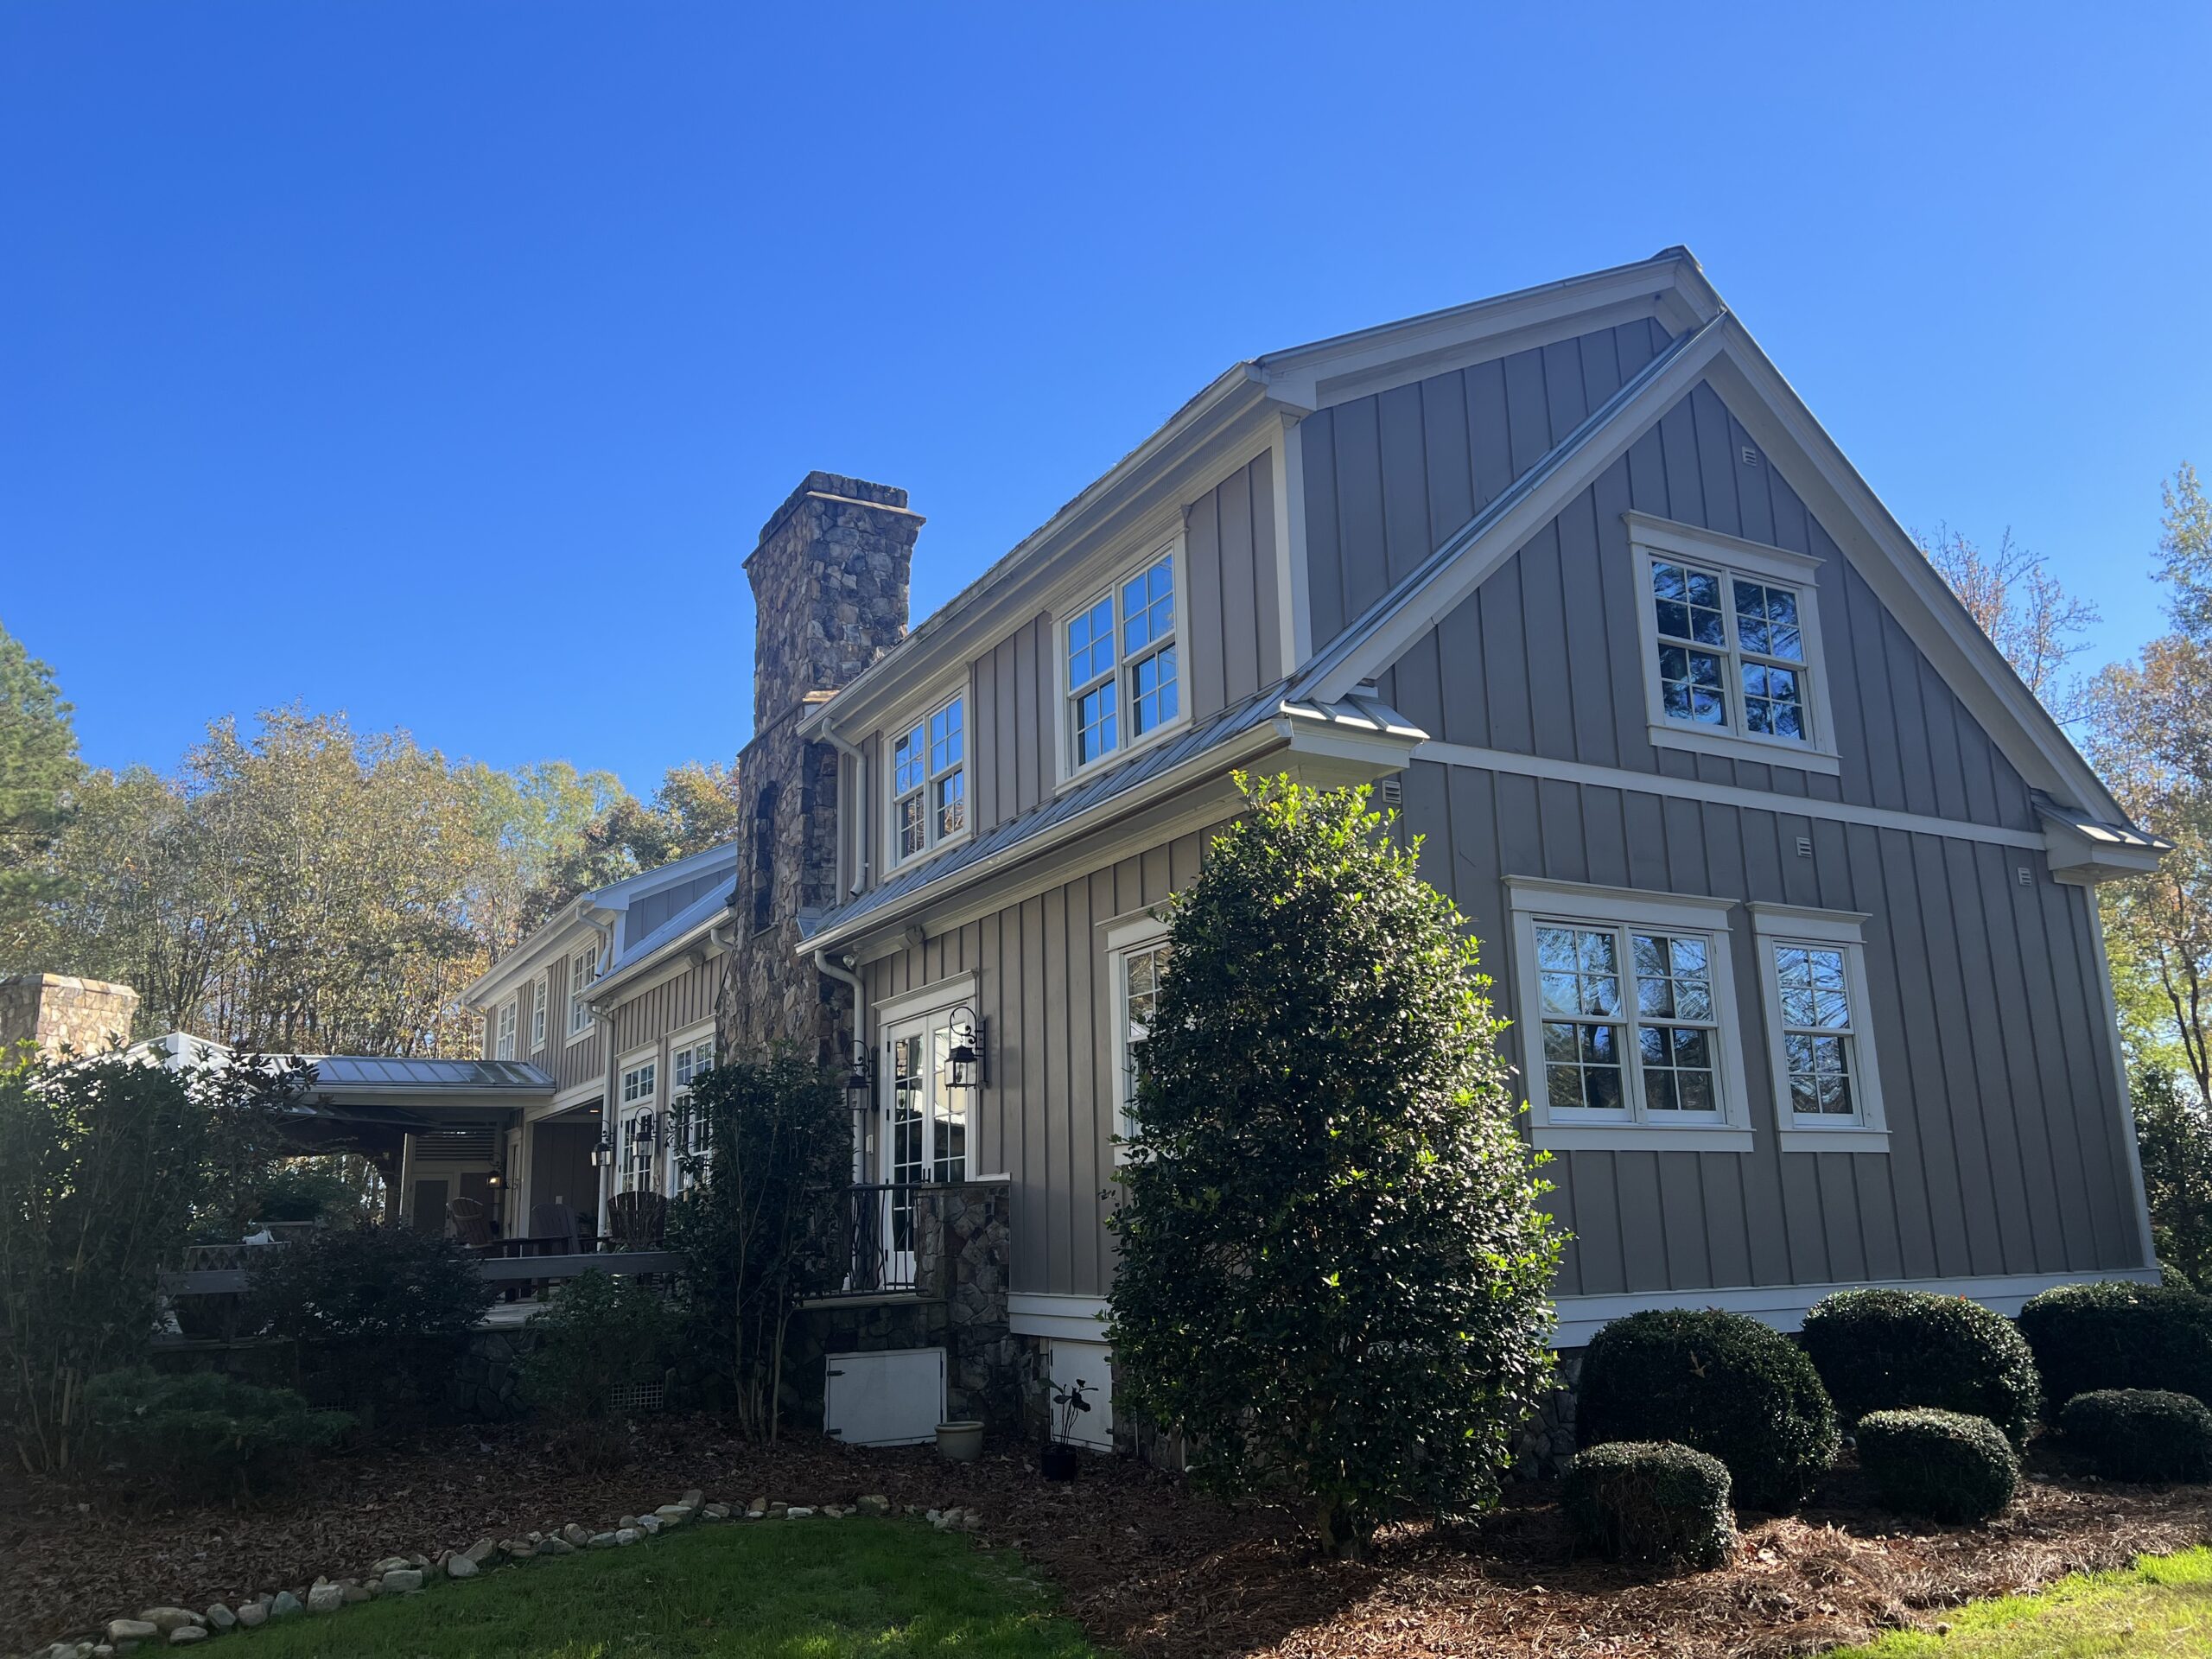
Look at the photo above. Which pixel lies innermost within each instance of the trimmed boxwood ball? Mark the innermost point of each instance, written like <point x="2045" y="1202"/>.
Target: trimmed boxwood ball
<point x="1887" y="1350"/>
<point x="2117" y="1334"/>
<point x="1650" y="1501"/>
<point x="1944" y="1463"/>
<point x="2140" y="1434"/>
<point x="1720" y="1383"/>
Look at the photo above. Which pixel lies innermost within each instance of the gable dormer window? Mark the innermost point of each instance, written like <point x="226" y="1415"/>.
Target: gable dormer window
<point x="929" y="781"/>
<point x="1121" y="658"/>
<point x="1732" y="646"/>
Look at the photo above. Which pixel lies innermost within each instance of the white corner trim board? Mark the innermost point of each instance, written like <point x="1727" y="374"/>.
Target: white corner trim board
<point x="1785" y="1306"/>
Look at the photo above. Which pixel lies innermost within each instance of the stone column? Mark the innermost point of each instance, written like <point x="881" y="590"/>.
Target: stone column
<point x="51" y="1012"/>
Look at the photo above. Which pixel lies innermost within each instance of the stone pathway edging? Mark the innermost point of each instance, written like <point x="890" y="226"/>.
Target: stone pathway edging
<point x="411" y="1575"/>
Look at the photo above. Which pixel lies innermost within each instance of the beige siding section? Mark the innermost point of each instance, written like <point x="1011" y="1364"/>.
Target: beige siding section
<point x="1045" y="1115"/>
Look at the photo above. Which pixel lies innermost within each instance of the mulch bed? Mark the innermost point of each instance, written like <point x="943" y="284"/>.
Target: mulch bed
<point x="1147" y="1567"/>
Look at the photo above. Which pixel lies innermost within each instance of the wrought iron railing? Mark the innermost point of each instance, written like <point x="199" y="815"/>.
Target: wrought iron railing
<point x="879" y="1239"/>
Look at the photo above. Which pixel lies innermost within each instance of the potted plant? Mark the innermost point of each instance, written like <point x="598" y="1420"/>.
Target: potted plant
<point x="1059" y="1459"/>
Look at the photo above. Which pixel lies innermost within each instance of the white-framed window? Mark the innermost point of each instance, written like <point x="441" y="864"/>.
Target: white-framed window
<point x="1628" y="1018"/>
<point x="1136" y="954"/>
<point x="1121" y="664"/>
<point x="929" y="781"/>
<point x="583" y="968"/>
<point x="1827" y="1086"/>
<point x="640" y="1126"/>
<point x="540" y="994"/>
<point x="687" y="1133"/>
<point x="1730" y="635"/>
<point x="503" y="1042"/>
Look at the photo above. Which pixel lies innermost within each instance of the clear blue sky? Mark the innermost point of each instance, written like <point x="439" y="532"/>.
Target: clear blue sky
<point x="439" y="362"/>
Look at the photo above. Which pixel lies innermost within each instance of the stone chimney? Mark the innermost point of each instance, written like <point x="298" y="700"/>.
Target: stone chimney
<point x="830" y="581"/>
<point x="51" y="1012"/>
<point x="830" y="590"/>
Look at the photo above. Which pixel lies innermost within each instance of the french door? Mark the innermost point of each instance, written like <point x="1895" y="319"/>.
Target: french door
<point x="923" y="1135"/>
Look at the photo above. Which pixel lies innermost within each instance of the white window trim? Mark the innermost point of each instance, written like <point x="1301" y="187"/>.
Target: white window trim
<point x="1731" y="555"/>
<point x="1532" y="899"/>
<point x="506" y="1030"/>
<point x="1773" y="925"/>
<point x="1173" y="546"/>
<point x="577" y="1034"/>
<point x="946" y="696"/>
<point x="690" y="1038"/>
<point x="1122" y="939"/>
<point x="541" y="1009"/>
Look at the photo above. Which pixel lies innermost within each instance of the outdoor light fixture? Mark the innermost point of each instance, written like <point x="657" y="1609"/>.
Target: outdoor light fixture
<point x="965" y="1062"/>
<point x="603" y="1151"/>
<point x="859" y="1082"/>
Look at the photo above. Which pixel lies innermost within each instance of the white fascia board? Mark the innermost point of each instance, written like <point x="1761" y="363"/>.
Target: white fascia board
<point x="1230" y="424"/>
<point x="1441" y="590"/>
<point x="1671" y="287"/>
<point x="687" y="950"/>
<point x="620" y="895"/>
<point x="1847" y="507"/>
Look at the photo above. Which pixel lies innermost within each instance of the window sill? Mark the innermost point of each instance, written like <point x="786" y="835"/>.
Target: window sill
<point x="1152" y="739"/>
<point x="1854" y="1138"/>
<point x="575" y="1037"/>
<point x="1640" y="1137"/>
<point x="1735" y="746"/>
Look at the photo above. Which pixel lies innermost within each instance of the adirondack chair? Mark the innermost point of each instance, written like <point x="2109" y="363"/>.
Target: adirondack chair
<point x="552" y="1229"/>
<point x="470" y="1225"/>
<point x="635" y="1220"/>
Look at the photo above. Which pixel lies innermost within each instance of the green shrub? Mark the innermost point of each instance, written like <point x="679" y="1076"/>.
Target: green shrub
<point x="1944" y="1464"/>
<point x="2140" y="1434"/>
<point x="2116" y="1334"/>
<point x="388" y="1308"/>
<point x="1650" y="1501"/>
<point x="1719" y="1382"/>
<point x="598" y="1336"/>
<point x="1886" y="1350"/>
<point x="1335" y="1266"/>
<point x="200" y="1430"/>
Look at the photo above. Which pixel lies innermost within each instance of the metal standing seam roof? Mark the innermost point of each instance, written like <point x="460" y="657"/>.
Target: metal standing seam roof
<point x="1360" y="713"/>
<point x="701" y="910"/>
<point x="2111" y="834"/>
<point x="351" y="1072"/>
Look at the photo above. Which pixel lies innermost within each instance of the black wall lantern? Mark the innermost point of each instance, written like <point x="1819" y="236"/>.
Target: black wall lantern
<point x="964" y="1065"/>
<point x="602" y="1151"/>
<point x="859" y="1081"/>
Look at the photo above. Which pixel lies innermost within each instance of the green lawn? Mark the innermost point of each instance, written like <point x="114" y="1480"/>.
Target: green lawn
<point x="2161" y="1606"/>
<point x="808" y="1589"/>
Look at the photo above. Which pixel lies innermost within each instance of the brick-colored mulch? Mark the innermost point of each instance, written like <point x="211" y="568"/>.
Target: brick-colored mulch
<point x="1147" y="1567"/>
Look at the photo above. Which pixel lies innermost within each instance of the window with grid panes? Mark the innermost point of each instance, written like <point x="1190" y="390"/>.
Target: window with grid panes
<point x="1631" y="1029"/>
<point x="929" y="781"/>
<point x="1124" y="679"/>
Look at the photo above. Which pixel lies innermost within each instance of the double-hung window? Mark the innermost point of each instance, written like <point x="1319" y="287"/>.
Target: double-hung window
<point x="1137" y="953"/>
<point x="687" y="1136"/>
<point x="929" y="781"/>
<point x="1732" y="646"/>
<point x="1628" y="1018"/>
<point x="1121" y="657"/>
<point x="1820" y="1038"/>
<point x="582" y="968"/>
<point x="539" y="991"/>
<point x="503" y="1045"/>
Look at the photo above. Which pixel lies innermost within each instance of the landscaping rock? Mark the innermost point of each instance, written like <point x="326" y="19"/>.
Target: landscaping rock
<point x="120" y="1631"/>
<point x="715" y="1512"/>
<point x="692" y="1499"/>
<point x="576" y="1536"/>
<point x="284" y="1604"/>
<point x="875" y="1503"/>
<point x="402" y="1580"/>
<point x="651" y="1525"/>
<point x="518" y="1549"/>
<point x="630" y="1520"/>
<point x="674" y="1515"/>
<point x="777" y="1511"/>
<point x="558" y="1546"/>
<point x="481" y="1551"/>
<point x="166" y="1619"/>
<point x="326" y="1598"/>
<point x="797" y="1514"/>
<point x="253" y="1615"/>
<point x="757" y="1506"/>
<point x="391" y="1564"/>
<point x="185" y="1635"/>
<point x="602" y="1540"/>
<point x="221" y="1617"/>
<point x="461" y="1567"/>
<point x="628" y="1536"/>
<point x="356" y="1592"/>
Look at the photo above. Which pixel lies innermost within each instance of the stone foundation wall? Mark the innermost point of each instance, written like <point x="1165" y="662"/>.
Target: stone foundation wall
<point x="1546" y="1440"/>
<point x="485" y="1385"/>
<point x="51" y="1012"/>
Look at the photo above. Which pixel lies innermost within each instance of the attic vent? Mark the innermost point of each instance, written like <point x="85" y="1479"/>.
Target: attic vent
<point x="1750" y="456"/>
<point x="2026" y="876"/>
<point x="454" y="1146"/>
<point x="1392" y="792"/>
<point x="1804" y="846"/>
